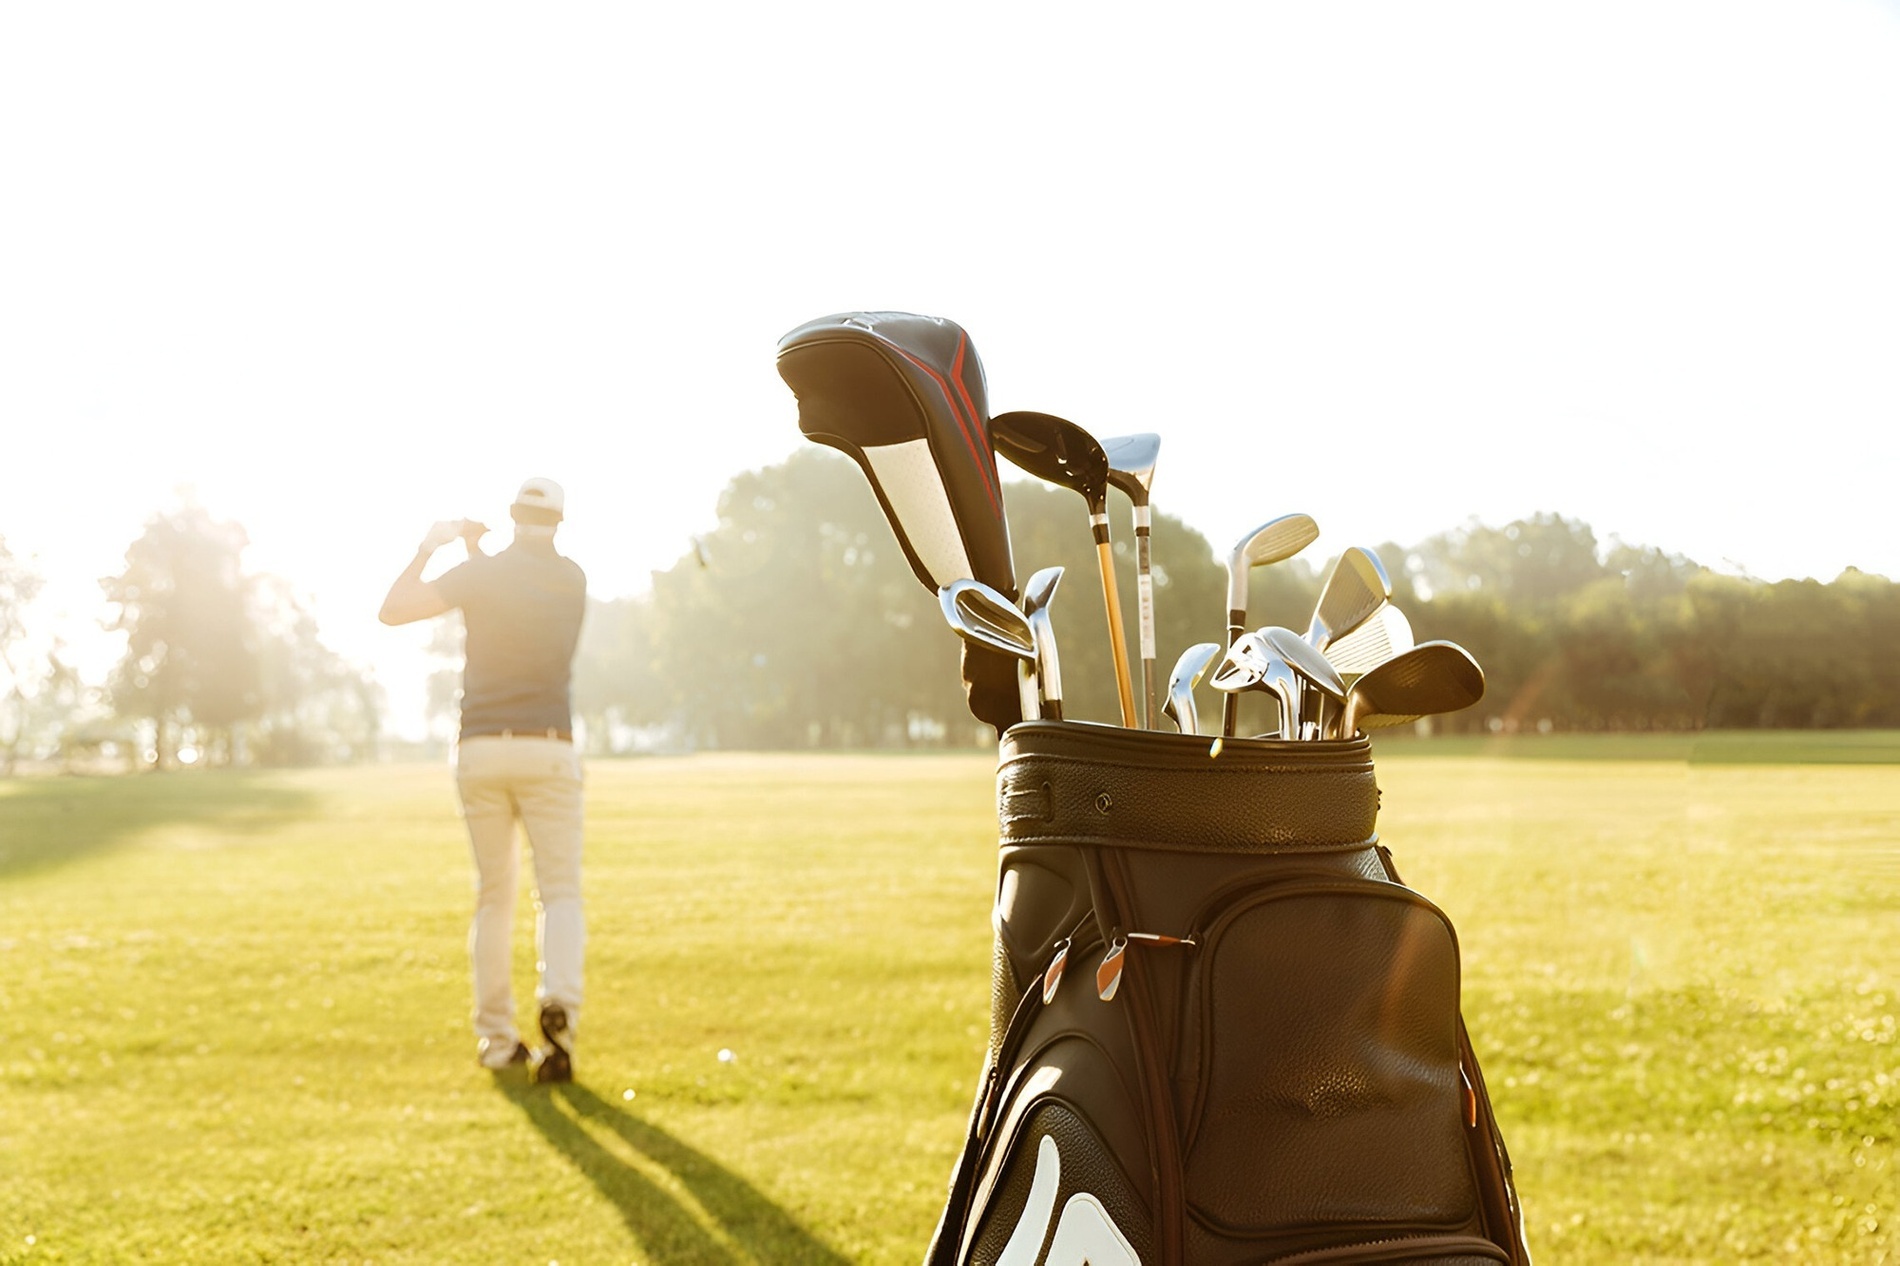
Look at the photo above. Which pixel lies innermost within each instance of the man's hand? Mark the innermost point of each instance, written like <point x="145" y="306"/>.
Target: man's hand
<point x="441" y="533"/>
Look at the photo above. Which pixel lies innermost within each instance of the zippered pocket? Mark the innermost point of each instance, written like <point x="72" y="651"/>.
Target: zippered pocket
<point x="1319" y="1076"/>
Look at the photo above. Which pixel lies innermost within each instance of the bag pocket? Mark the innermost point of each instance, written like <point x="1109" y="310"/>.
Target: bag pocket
<point x="1318" y="1076"/>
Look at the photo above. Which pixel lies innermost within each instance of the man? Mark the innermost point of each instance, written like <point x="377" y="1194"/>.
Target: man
<point x="515" y="760"/>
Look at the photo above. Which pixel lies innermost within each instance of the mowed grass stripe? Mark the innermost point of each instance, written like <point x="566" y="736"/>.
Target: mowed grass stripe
<point x="233" y="1010"/>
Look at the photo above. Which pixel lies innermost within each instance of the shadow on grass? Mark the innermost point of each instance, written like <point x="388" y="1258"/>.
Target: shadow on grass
<point x="750" y="1227"/>
<point x="51" y="822"/>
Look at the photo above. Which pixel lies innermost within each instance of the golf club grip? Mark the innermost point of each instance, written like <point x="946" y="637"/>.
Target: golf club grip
<point x="1117" y="639"/>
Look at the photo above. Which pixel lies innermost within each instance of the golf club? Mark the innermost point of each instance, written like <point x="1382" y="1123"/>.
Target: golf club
<point x="1272" y="542"/>
<point x="1038" y="593"/>
<point x="1385" y="633"/>
<point x="1187" y="673"/>
<point x="1321" y="681"/>
<point x="1131" y="467"/>
<point x="1356" y="587"/>
<point x="1431" y="678"/>
<point x="1059" y="451"/>
<point x="983" y="617"/>
<point x="1253" y="665"/>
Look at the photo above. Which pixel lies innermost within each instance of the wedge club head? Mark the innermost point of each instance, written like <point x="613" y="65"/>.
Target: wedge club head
<point x="1188" y="671"/>
<point x="1385" y="634"/>
<point x="1431" y="678"/>
<point x="1321" y="690"/>
<point x="1355" y="588"/>
<point x="983" y="617"/>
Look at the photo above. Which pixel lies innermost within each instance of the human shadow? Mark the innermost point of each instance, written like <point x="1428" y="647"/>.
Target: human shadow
<point x="751" y="1227"/>
<point x="50" y="822"/>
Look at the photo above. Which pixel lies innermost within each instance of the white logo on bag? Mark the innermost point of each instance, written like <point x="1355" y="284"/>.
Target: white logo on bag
<point x="1085" y="1235"/>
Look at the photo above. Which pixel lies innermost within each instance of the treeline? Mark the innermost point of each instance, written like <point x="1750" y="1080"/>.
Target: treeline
<point x="797" y="623"/>
<point x="220" y="666"/>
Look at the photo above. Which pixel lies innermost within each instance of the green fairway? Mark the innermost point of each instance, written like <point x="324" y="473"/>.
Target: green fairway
<point x="233" y="1009"/>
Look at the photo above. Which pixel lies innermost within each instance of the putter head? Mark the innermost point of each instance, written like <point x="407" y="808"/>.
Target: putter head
<point x="1054" y="449"/>
<point x="1188" y="671"/>
<point x="904" y="397"/>
<point x="1355" y="588"/>
<point x="1273" y="541"/>
<point x="1131" y="463"/>
<point x="1431" y="678"/>
<point x="1384" y="634"/>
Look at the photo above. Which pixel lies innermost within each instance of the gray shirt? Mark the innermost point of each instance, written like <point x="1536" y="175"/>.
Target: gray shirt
<point x="522" y="608"/>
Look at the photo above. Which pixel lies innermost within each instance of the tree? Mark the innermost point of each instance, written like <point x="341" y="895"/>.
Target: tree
<point x="19" y="586"/>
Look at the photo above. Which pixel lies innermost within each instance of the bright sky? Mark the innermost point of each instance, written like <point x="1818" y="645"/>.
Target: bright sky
<point x="345" y="269"/>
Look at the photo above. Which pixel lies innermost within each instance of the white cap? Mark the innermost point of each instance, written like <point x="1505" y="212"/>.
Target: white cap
<point x="542" y="494"/>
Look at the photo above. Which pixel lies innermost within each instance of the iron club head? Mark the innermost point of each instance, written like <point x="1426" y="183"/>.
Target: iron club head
<point x="1356" y="587"/>
<point x="1188" y="671"/>
<point x="1431" y="678"/>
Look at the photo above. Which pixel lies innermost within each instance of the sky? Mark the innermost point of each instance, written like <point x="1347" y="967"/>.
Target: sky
<point x="339" y="271"/>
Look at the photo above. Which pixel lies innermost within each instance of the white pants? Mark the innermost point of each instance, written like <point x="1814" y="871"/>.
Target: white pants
<point x="536" y="781"/>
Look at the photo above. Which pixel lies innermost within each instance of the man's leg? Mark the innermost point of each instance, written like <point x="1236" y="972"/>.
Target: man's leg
<point x="548" y="792"/>
<point x="489" y="810"/>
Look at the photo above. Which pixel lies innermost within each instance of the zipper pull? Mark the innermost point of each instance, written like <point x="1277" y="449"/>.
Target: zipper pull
<point x="1471" y="1097"/>
<point x="1108" y="977"/>
<point x="1053" y="976"/>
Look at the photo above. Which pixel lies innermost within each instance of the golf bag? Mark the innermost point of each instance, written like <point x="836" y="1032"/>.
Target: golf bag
<point x="1223" y="1032"/>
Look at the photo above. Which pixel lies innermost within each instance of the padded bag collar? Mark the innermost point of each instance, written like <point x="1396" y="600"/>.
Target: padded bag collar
<point x="1062" y="782"/>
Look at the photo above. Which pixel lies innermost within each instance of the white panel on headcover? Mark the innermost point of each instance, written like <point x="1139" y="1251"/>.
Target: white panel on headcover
<point x="908" y="475"/>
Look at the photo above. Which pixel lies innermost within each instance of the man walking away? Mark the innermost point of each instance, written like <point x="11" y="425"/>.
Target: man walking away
<point x="515" y="761"/>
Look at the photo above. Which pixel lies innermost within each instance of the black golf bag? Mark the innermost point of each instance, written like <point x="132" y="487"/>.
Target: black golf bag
<point x="1223" y="1031"/>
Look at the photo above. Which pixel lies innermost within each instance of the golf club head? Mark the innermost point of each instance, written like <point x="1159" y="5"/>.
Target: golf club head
<point x="981" y="615"/>
<point x="1253" y="665"/>
<point x="1188" y="671"/>
<point x="1131" y="463"/>
<point x="1038" y="593"/>
<point x="1273" y="541"/>
<point x="1356" y="587"/>
<point x="1431" y="678"/>
<point x="1321" y="687"/>
<point x="1245" y="663"/>
<point x="1385" y="633"/>
<point x="988" y="621"/>
<point x="904" y="396"/>
<point x="1054" y="449"/>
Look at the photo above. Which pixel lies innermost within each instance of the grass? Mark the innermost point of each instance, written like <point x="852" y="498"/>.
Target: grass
<point x="233" y="1010"/>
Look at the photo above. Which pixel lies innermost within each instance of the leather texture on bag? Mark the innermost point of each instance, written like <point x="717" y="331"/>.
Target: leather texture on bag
<point x="1083" y="784"/>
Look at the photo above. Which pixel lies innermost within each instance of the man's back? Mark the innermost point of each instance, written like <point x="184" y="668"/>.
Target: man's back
<point x="522" y="609"/>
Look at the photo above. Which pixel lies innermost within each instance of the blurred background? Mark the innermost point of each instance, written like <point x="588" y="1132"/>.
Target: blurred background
<point x="1582" y="315"/>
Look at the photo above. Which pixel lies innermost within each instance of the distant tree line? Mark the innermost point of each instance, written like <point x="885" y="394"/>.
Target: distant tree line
<point x="220" y="666"/>
<point x="798" y="623"/>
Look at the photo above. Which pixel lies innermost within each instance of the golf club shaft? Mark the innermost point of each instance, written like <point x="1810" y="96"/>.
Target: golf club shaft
<point x="1117" y="638"/>
<point x="1145" y="606"/>
<point x="1230" y="704"/>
